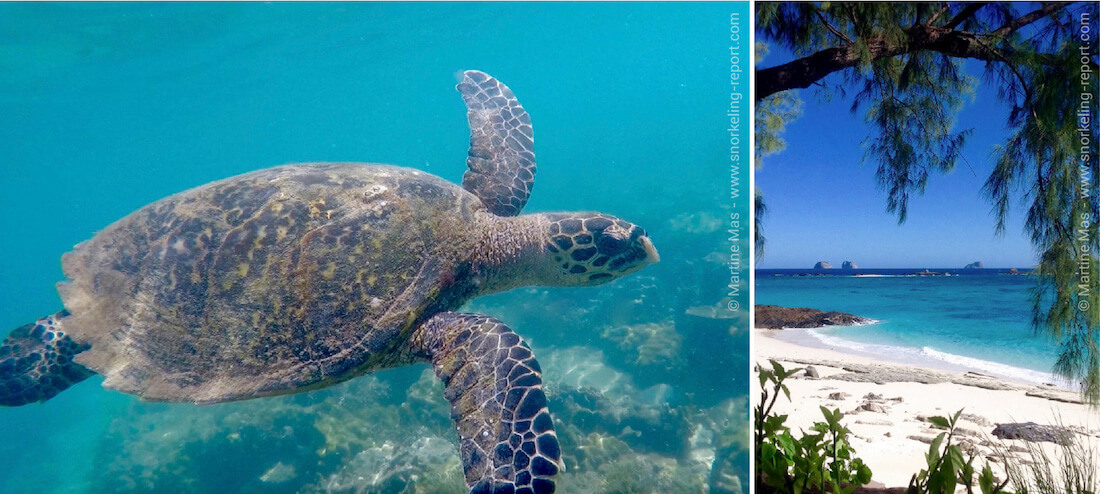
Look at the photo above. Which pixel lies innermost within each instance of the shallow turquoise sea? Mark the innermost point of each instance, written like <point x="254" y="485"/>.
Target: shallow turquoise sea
<point x="105" y="107"/>
<point x="977" y="320"/>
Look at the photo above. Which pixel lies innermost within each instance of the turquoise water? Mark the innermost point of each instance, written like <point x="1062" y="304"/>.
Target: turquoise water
<point x="107" y="107"/>
<point x="976" y="320"/>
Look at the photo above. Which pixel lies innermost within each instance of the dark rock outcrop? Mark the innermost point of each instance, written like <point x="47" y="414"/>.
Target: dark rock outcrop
<point x="848" y="265"/>
<point x="776" y="317"/>
<point x="1032" y="432"/>
<point x="974" y="265"/>
<point x="823" y="265"/>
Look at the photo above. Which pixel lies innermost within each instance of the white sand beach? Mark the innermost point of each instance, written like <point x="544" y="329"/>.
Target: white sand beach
<point x="886" y="405"/>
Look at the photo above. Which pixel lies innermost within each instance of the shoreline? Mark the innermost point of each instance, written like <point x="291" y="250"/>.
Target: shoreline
<point x="886" y="404"/>
<point x="805" y="337"/>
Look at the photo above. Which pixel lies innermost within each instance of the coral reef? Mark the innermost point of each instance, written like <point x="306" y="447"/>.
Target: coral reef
<point x="366" y="436"/>
<point x="648" y="343"/>
<point x="183" y="448"/>
<point x="642" y="383"/>
<point x="428" y="465"/>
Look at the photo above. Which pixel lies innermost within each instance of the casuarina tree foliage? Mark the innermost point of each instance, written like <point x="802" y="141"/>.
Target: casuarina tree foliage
<point x="904" y="66"/>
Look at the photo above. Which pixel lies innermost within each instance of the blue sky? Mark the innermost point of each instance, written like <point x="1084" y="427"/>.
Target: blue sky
<point x="824" y="204"/>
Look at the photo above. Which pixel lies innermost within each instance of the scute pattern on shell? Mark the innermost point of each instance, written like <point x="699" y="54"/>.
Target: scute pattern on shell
<point x="269" y="282"/>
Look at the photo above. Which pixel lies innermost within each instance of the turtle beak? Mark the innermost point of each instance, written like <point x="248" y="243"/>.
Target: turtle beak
<point x="651" y="252"/>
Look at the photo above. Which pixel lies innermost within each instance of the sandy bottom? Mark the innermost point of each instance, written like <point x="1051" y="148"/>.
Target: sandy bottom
<point x="887" y="416"/>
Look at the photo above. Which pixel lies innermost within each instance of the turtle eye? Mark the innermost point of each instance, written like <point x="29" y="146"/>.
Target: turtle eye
<point x="611" y="244"/>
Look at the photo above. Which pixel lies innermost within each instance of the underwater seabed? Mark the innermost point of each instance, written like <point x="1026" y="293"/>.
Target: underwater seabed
<point x="636" y="403"/>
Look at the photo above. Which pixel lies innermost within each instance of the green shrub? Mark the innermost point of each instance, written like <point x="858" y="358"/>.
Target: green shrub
<point x="947" y="469"/>
<point x="820" y="461"/>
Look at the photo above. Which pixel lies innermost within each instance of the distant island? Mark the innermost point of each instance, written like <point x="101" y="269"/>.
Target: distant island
<point x="849" y="265"/>
<point x="974" y="265"/>
<point x="823" y="265"/>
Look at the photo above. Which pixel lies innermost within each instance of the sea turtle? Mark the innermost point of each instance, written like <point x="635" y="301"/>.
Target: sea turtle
<point x="301" y="276"/>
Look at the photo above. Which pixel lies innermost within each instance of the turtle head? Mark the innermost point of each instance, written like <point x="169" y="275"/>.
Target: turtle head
<point x="595" y="248"/>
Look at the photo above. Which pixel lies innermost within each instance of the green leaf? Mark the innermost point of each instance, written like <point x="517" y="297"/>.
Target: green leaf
<point x="777" y="368"/>
<point x="985" y="480"/>
<point x="774" y="424"/>
<point x="786" y="443"/>
<point x="764" y="377"/>
<point x="934" y="448"/>
<point x="955" y="455"/>
<point x="863" y="473"/>
<point x="940" y="422"/>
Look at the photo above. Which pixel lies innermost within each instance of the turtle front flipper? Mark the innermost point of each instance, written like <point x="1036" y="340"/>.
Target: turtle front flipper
<point x="502" y="158"/>
<point x="36" y="362"/>
<point x="507" y="440"/>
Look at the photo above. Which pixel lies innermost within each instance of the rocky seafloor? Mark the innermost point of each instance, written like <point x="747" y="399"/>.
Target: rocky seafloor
<point x="647" y="392"/>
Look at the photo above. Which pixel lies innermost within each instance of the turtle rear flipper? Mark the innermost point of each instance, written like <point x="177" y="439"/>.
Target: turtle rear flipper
<point x="36" y="362"/>
<point x="502" y="158"/>
<point x="507" y="439"/>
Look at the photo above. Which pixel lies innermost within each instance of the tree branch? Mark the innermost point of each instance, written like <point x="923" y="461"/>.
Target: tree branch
<point x="805" y="71"/>
<point x="932" y="20"/>
<point x="965" y="14"/>
<point x="1015" y="24"/>
<point x="801" y="73"/>
<point x="832" y="29"/>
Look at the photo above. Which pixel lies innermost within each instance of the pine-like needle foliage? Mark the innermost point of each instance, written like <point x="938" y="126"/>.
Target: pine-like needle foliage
<point x="903" y="64"/>
<point x="771" y="116"/>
